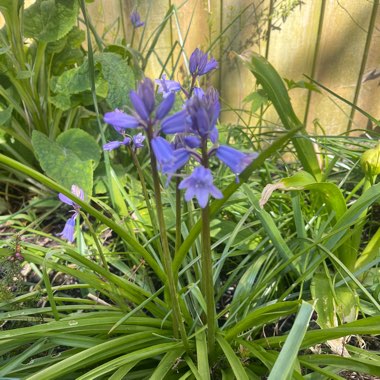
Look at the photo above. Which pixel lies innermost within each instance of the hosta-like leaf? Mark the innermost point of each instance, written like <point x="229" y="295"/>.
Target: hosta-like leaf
<point x="62" y="164"/>
<point x="76" y="82"/>
<point x="50" y="20"/>
<point x="119" y="76"/>
<point x="81" y="143"/>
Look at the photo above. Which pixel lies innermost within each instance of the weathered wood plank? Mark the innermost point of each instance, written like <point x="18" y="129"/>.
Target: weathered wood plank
<point x="342" y="44"/>
<point x="369" y="94"/>
<point x="292" y="49"/>
<point x="243" y="23"/>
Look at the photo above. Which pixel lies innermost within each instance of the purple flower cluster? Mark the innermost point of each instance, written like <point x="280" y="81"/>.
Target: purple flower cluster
<point x="135" y="19"/>
<point x="194" y="130"/>
<point x="69" y="229"/>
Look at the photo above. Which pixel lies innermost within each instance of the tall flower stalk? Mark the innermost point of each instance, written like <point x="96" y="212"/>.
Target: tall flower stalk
<point x="188" y="137"/>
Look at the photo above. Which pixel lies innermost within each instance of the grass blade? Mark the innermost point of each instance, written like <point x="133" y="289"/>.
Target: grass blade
<point x="284" y="365"/>
<point x="234" y="360"/>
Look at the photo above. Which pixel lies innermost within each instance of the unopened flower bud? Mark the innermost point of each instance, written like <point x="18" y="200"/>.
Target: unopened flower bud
<point x="370" y="161"/>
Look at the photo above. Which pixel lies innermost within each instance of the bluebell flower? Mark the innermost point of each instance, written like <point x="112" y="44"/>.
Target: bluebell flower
<point x="116" y="144"/>
<point x="200" y="185"/>
<point x="199" y="63"/>
<point x="166" y="86"/>
<point x="143" y="102"/>
<point x="138" y="140"/>
<point x="145" y="91"/>
<point x="135" y="19"/>
<point x="120" y="120"/>
<point x="197" y="91"/>
<point x="170" y="160"/>
<point x="68" y="230"/>
<point x="175" y="123"/>
<point x="204" y="112"/>
<point x="192" y="142"/>
<point x="165" y="106"/>
<point x="234" y="159"/>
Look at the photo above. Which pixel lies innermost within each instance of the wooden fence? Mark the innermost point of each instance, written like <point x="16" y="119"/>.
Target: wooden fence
<point x="337" y="42"/>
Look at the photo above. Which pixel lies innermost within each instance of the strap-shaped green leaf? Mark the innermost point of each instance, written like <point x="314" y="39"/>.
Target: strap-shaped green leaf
<point x="124" y="234"/>
<point x="284" y="365"/>
<point x="274" y="87"/>
<point x="233" y="359"/>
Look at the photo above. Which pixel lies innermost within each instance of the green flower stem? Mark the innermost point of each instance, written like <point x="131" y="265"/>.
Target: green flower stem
<point x="178" y="324"/>
<point x="178" y="215"/>
<point x="207" y="283"/>
<point x="133" y="36"/>
<point x="145" y="193"/>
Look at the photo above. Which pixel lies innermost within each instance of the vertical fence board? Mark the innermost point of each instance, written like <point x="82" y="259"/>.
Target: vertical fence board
<point x="342" y="44"/>
<point x="106" y="17"/>
<point x="292" y="50"/>
<point x="246" y="22"/>
<point x="193" y="28"/>
<point x="370" y="90"/>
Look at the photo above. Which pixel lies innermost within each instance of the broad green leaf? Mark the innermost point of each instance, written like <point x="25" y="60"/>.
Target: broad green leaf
<point x="73" y="39"/>
<point x="50" y="20"/>
<point x="82" y="144"/>
<point x="285" y="362"/>
<point x="101" y="352"/>
<point x="276" y="91"/>
<point x="323" y="297"/>
<point x="24" y="74"/>
<point x="62" y="164"/>
<point x="67" y="51"/>
<point x="271" y="229"/>
<point x="301" y="84"/>
<point x="347" y="304"/>
<point x="222" y="228"/>
<point x="370" y="325"/>
<point x="119" y="76"/>
<point x="123" y="371"/>
<point x="351" y="216"/>
<point x="75" y="82"/>
<point x="329" y="192"/>
<point x="17" y="360"/>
